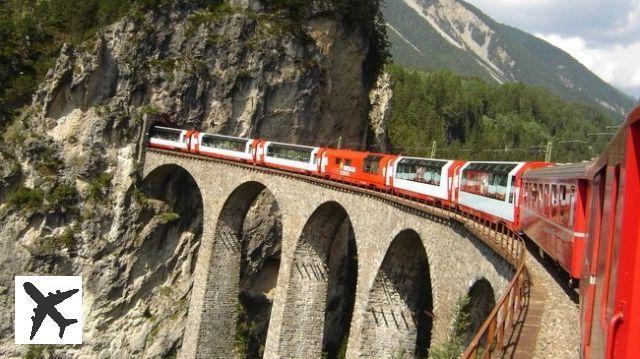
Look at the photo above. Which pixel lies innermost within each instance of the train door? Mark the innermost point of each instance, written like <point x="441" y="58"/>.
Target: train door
<point x="588" y="289"/>
<point x="390" y="172"/>
<point x="456" y="183"/>
<point x="194" y="145"/>
<point x="324" y="162"/>
<point x="260" y="151"/>
<point x="601" y="281"/>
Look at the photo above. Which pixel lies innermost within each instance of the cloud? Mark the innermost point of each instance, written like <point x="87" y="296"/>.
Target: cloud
<point x="604" y="35"/>
<point x="596" y="21"/>
<point x="616" y="64"/>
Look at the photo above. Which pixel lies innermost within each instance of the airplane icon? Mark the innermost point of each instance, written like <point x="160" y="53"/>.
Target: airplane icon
<point x="47" y="306"/>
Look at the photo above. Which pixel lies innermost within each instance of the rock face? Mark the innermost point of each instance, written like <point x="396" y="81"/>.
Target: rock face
<point x="381" y="99"/>
<point x="72" y="199"/>
<point x="230" y="70"/>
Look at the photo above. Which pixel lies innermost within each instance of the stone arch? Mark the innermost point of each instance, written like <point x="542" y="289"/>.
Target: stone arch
<point x="481" y="300"/>
<point x="242" y="276"/>
<point x="398" y="320"/>
<point x="321" y="292"/>
<point x="166" y="250"/>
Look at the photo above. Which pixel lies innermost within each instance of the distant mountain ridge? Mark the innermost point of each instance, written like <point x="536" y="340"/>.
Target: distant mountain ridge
<point x="454" y="35"/>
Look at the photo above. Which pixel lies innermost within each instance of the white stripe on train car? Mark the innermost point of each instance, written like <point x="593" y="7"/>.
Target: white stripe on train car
<point x="223" y="152"/>
<point x="176" y="144"/>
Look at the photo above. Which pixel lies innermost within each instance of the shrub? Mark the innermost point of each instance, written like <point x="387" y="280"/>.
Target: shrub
<point x="26" y="198"/>
<point x="63" y="196"/>
<point x="65" y="240"/>
<point x="454" y="345"/>
<point x="99" y="187"/>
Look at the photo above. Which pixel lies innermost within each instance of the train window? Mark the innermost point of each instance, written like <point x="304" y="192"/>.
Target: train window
<point x="347" y="162"/>
<point x="288" y="152"/>
<point x="546" y="201"/>
<point x="164" y="133"/>
<point x="487" y="179"/>
<point x="224" y="143"/>
<point x="554" y="201"/>
<point x="338" y="160"/>
<point x="371" y="163"/>
<point x="425" y="171"/>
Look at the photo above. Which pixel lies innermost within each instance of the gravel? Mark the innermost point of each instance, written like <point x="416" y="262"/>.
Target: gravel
<point x="559" y="335"/>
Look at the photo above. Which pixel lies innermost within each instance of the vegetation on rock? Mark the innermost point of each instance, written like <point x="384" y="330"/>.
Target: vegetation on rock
<point x="454" y="345"/>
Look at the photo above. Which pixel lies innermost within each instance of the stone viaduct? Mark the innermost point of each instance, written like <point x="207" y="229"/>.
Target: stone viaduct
<point x="397" y="292"/>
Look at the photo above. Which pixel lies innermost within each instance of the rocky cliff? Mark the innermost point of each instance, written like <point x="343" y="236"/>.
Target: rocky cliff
<point x="71" y="197"/>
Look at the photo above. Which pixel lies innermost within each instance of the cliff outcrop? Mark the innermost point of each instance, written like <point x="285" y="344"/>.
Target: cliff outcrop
<point x="72" y="200"/>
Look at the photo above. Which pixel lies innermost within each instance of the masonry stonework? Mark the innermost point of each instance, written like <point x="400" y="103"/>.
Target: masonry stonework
<point x="455" y="259"/>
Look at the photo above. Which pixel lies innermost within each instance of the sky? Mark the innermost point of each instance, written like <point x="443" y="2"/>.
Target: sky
<point x="604" y="35"/>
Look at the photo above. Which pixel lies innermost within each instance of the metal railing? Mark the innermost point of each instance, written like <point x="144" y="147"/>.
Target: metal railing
<point x="491" y="337"/>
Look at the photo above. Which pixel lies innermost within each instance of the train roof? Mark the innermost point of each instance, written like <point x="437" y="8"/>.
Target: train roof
<point x="567" y="171"/>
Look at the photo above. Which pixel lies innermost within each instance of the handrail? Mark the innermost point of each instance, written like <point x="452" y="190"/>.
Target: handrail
<point x="501" y="239"/>
<point x="491" y="335"/>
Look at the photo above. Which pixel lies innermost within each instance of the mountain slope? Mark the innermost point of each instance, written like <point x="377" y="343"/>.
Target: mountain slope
<point x="452" y="34"/>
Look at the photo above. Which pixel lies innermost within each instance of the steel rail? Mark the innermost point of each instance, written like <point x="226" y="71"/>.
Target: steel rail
<point x="507" y="243"/>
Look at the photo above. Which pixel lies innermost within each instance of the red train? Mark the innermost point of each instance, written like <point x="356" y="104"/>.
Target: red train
<point x="610" y="289"/>
<point x="491" y="190"/>
<point x="585" y="216"/>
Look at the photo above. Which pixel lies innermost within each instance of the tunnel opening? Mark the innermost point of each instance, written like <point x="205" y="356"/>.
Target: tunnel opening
<point x="243" y="273"/>
<point x="321" y="294"/>
<point x="480" y="302"/>
<point x="168" y="234"/>
<point x="398" y="320"/>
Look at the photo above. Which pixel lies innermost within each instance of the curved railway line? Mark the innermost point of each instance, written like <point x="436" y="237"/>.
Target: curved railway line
<point x="511" y="328"/>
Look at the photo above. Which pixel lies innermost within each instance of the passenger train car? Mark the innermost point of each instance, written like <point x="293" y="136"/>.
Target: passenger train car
<point x="360" y="168"/>
<point x="492" y="190"/>
<point x="424" y="178"/>
<point x="554" y="212"/>
<point x="610" y="286"/>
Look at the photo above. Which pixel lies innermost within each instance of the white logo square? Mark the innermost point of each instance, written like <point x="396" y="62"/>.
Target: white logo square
<point x="48" y="310"/>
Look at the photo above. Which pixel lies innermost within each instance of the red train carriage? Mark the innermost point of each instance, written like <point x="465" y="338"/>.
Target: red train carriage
<point x="425" y="178"/>
<point x="297" y="158"/>
<point x="610" y="285"/>
<point x="554" y="214"/>
<point x="360" y="168"/>
<point x="491" y="190"/>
